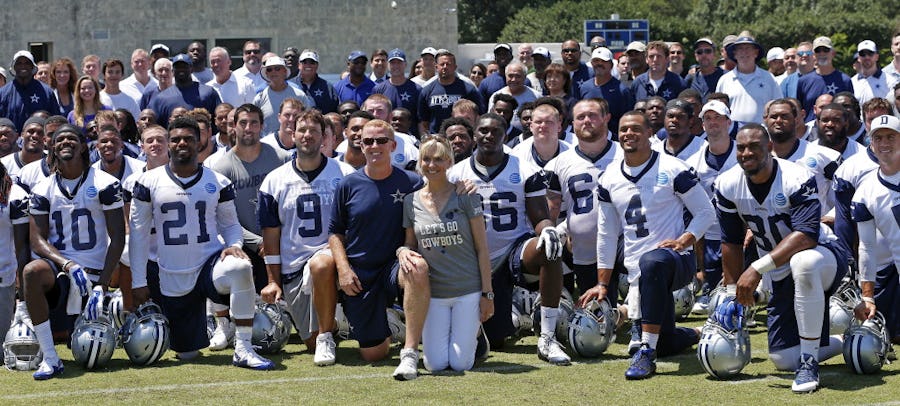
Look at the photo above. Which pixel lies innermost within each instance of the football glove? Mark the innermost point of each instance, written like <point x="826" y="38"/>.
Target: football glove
<point x="80" y="279"/>
<point x="552" y="243"/>
<point x="729" y="314"/>
<point x="94" y="307"/>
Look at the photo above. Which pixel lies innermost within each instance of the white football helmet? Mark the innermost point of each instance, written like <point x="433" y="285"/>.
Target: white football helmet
<point x="341" y="324"/>
<point x="840" y="307"/>
<point x="271" y="328"/>
<point x="684" y="301"/>
<point x="523" y="300"/>
<point x="21" y="350"/>
<point x="592" y="328"/>
<point x="93" y="341"/>
<point x="146" y="334"/>
<point x="396" y="321"/>
<point x="723" y="353"/>
<point x="566" y="309"/>
<point x="867" y="345"/>
<point x="522" y="322"/>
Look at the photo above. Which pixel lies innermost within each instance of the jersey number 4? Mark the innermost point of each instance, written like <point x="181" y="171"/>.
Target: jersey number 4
<point x="180" y="220"/>
<point x="634" y="215"/>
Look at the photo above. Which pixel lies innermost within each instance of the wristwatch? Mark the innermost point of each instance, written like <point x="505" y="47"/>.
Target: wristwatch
<point x="488" y="295"/>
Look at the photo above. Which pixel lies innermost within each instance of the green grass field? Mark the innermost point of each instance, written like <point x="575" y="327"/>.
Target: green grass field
<point x="514" y="375"/>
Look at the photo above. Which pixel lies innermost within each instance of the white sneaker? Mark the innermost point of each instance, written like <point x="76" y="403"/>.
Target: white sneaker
<point x="409" y="365"/>
<point x="247" y="358"/>
<point x="549" y="350"/>
<point x="325" y="353"/>
<point x="224" y="334"/>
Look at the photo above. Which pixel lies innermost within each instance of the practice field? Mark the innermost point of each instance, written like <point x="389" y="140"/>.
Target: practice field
<point x="511" y="376"/>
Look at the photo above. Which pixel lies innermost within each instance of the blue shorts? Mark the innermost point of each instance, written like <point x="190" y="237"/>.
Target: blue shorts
<point x="507" y="275"/>
<point x="712" y="256"/>
<point x="187" y="314"/>
<point x="887" y="298"/>
<point x="366" y="311"/>
<point x="781" y="318"/>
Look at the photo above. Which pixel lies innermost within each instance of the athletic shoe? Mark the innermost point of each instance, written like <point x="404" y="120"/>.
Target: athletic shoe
<point x="324" y="350"/>
<point x="187" y="356"/>
<point x="47" y="371"/>
<point x="251" y="360"/>
<point x="635" y="343"/>
<point x="409" y="365"/>
<point x="807" y="378"/>
<point x="643" y="364"/>
<point x="223" y="336"/>
<point x="701" y="306"/>
<point x="549" y="350"/>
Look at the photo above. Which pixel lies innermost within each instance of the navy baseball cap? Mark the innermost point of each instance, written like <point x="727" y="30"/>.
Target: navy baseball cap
<point x="182" y="58"/>
<point x="396" y="53"/>
<point x="357" y="54"/>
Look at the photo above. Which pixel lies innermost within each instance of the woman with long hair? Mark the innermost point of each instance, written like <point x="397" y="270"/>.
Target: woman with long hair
<point x="478" y="73"/>
<point x="415" y="69"/>
<point x="448" y="231"/>
<point x="87" y="102"/>
<point x="62" y="80"/>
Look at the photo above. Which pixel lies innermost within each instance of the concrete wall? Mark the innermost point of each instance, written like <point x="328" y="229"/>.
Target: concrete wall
<point x="113" y="28"/>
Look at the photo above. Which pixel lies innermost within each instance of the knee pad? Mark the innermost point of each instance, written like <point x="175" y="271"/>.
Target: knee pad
<point x="232" y="274"/>
<point x="787" y="359"/>
<point x="812" y="270"/>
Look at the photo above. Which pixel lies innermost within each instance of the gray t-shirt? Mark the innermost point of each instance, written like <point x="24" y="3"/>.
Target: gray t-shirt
<point x="446" y="243"/>
<point x="246" y="177"/>
<point x="269" y="101"/>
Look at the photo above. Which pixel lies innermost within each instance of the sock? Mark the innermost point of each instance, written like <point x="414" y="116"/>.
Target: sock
<point x="548" y="320"/>
<point x="242" y="337"/>
<point x="45" y="340"/>
<point x="222" y="322"/>
<point x="810" y="347"/>
<point x="650" y="339"/>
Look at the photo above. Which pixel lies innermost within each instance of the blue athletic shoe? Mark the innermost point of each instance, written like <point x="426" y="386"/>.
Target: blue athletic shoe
<point x="643" y="364"/>
<point x="46" y="371"/>
<point x="635" y="343"/>
<point x="807" y="378"/>
<point x="251" y="360"/>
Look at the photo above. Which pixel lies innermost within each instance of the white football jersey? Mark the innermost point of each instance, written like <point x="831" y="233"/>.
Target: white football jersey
<point x="847" y="179"/>
<point x="789" y="205"/>
<point x="850" y="150"/>
<point x="878" y="200"/>
<point x="127" y="189"/>
<point x="573" y="175"/>
<point x="648" y="208"/>
<point x="688" y="150"/>
<point x="704" y="164"/>
<point x="503" y="198"/>
<point x="77" y="221"/>
<point x="33" y="173"/>
<point x="188" y="216"/>
<point x="13" y="165"/>
<point x="13" y="212"/>
<point x="525" y="151"/>
<point x="822" y="162"/>
<point x="129" y="166"/>
<point x="301" y="207"/>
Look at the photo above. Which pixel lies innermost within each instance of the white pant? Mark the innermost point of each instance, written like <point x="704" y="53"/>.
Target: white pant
<point x="450" y="334"/>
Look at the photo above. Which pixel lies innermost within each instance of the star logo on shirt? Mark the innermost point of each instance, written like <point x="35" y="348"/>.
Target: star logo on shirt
<point x="318" y="92"/>
<point x="398" y="196"/>
<point x="581" y="81"/>
<point x="35" y="99"/>
<point x="831" y="88"/>
<point x="404" y="96"/>
<point x="667" y="94"/>
<point x="808" y="191"/>
<point x="761" y="85"/>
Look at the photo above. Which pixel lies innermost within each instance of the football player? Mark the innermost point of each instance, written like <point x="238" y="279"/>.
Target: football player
<point x="189" y="206"/>
<point x="79" y="234"/>
<point x="294" y="208"/>
<point x="777" y="200"/>
<point x="879" y="226"/>
<point x="513" y="195"/>
<point x="643" y="198"/>
<point x="679" y="143"/>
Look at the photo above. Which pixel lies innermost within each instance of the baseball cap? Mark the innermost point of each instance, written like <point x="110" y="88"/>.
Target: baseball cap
<point x="4" y="72"/>
<point x="716" y="106"/>
<point x="541" y="51"/>
<point x="182" y="58"/>
<point x="775" y="53"/>
<point x="867" y="45"/>
<point x="636" y="46"/>
<point x="274" y="61"/>
<point x="502" y="46"/>
<point x="5" y="122"/>
<point x="728" y="40"/>
<point x="23" y="53"/>
<point x="355" y="55"/>
<point x="887" y="121"/>
<point x="396" y="53"/>
<point x="309" y="55"/>
<point x="680" y="104"/>
<point x="429" y="51"/>
<point x="161" y="47"/>
<point x="822" y="42"/>
<point x="602" y="53"/>
<point x="705" y="40"/>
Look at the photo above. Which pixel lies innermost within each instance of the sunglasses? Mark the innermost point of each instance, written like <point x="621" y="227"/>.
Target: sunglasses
<point x="804" y="53"/>
<point x="676" y="52"/>
<point x="477" y="73"/>
<point x="251" y="51"/>
<point x="703" y="51"/>
<point x="273" y="68"/>
<point x="373" y="141"/>
<point x="866" y="53"/>
<point x="570" y="50"/>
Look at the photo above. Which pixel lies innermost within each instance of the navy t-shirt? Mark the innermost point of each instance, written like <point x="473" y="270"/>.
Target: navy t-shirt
<point x="436" y="101"/>
<point x="369" y="214"/>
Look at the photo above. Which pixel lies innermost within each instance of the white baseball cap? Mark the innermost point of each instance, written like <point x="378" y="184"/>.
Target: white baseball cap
<point x="775" y="53"/>
<point x="716" y="106"/>
<point x="602" y="53"/>
<point x="867" y="45"/>
<point x="886" y="121"/>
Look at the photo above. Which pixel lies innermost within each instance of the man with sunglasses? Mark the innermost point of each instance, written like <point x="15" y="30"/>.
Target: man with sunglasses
<point x="870" y="82"/>
<point x="571" y="57"/>
<point x="825" y="79"/>
<point x="316" y="87"/>
<point x="676" y="59"/>
<point x="252" y="68"/>
<point x="269" y="99"/>
<point x="805" y="64"/>
<point x="705" y="79"/>
<point x="356" y="86"/>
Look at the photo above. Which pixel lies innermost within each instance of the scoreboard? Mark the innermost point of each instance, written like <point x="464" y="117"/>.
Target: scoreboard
<point x="618" y="33"/>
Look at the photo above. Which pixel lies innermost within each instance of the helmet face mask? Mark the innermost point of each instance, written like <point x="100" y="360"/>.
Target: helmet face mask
<point x="867" y="344"/>
<point x="146" y="334"/>
<point x="21" y="351"/>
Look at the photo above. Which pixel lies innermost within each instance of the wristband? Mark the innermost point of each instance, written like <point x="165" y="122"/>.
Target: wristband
<point x="764" y="264"/>
<point x="401" y="249"/>
<point x="605" y="286"/>
<point x="66" y="265"/>
<point x="868" y="299"/>
<point x="731" y="290"/>
<point x="272" y="259"/>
